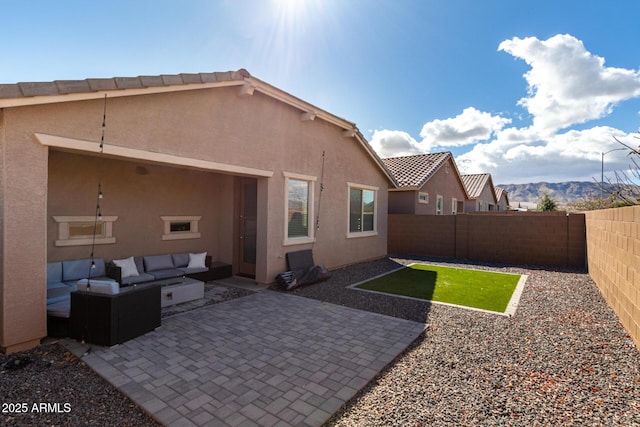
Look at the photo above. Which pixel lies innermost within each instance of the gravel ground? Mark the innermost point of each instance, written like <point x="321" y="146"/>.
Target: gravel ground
<point x="562" y="359"/>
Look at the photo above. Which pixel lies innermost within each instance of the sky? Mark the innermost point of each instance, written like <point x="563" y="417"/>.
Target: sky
<point x="528" y="91"/>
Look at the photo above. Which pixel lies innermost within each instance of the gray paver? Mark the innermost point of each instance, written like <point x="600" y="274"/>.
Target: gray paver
<point x="252" y="361"/>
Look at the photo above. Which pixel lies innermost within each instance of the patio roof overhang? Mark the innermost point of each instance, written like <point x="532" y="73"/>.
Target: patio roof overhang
<point x="72" y="144"/>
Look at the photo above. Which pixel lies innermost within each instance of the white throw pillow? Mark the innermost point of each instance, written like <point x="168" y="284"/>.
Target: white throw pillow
<point x="127" y="266"/>
<point x="197" y="260"/>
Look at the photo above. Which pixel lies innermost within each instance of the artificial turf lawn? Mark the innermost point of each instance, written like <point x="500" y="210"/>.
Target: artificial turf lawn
<point x="471" y="288"/>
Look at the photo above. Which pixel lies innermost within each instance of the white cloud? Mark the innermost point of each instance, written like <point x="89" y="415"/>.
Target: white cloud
<point x="567" y="84"/>
<point x="469" y="127"/>
<point x="393" y="143"/>
<point x="573" y="155"/>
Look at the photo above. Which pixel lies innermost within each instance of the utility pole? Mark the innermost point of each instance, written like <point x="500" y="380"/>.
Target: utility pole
<point x="602" y="170"/>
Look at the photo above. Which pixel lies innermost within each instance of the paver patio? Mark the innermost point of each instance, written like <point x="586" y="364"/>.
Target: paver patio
<point x="266" y="359"/>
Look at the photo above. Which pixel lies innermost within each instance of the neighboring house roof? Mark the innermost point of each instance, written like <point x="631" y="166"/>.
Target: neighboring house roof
<point x="413" y="172"/>
<point x="475" y="183"/>
<point x="500" y="193"/>
<point x="33" y="93"/>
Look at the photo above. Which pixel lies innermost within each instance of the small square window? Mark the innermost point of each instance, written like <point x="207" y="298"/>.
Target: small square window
<point x="423" y="197"/>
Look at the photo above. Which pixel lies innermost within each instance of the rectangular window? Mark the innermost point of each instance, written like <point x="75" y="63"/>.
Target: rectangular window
<point x="299" y="227"/>
<point x="362" y="210"/>
<point x="438" y="205"/>
<point x="79" y="230"/>
<point x="180" y="227"/>
<point x="454" y="206"/>
<point x="423" y="197"/>
<point x="298" y="197"/>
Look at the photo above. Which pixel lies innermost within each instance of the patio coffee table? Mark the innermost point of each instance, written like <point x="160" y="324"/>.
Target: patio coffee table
<point x="177" y="290"/>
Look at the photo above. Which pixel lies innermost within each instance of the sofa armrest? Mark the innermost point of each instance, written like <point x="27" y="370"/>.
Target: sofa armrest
<point x="114" y="272"/>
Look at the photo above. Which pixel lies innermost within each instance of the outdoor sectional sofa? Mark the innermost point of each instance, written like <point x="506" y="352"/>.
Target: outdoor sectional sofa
<point x="112" y="288"/>
<point x="142" y="269"/>
<point x="63" y="276"/>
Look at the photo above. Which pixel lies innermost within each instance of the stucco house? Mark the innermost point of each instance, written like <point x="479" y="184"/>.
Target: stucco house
<point x="482" y="193"/>
<point x="428" y="184"/>
<point x="502" y="197"/>
<point x="215" y="162"/>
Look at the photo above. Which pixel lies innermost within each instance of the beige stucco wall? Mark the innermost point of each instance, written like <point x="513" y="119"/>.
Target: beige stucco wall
<point x="216" y="125"/>
<point x="24" y="198"/>
<point x="138" y="194"/>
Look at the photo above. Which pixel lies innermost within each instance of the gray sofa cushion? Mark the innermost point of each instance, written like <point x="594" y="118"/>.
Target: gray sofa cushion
<point x="81" y="268"/>
<point x="141" y="278"/>
<point x="53" y="285"/>
<point x="73" y="284"/>
<point x="139" y="264"/>
<point x="59" y="294"/>
<point x="108" y="287"/>
<point x="180" y="260"/>
<point x="59" y="309"/>
<point x="166" y="274"/>
<point x="186" y="270"/>
<point x="158" y="262"/>
<point x="54" y="272"/>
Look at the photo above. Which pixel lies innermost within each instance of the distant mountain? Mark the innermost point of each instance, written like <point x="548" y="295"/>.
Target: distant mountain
<point x="561" y="192"/>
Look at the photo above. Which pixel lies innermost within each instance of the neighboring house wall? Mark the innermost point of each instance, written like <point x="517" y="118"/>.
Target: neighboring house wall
<point x="484" y="203"/>
<point x="217" y="131"/>
<point x="444" y="183"/>
<point x="402" y="202"/>
<point x="502" y="204"/>
<point x="613" y="245"/>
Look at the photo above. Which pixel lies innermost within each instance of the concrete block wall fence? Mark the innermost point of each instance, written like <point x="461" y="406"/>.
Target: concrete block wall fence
<point x="613" y="247"/>
<point x="547" y="239"/>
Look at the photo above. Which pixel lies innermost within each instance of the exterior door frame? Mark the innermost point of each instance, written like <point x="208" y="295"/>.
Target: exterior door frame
<point x="245" y="227"/>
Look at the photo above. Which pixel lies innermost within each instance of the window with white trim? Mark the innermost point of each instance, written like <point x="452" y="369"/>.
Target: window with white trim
<point x="454" y="206"/>
<point x="362" y="210"/>
<point x="80" y="230"/>
<point x="299" y="214"/>
<point x="438" y="205"/>
<point x="179" y="227"/>
<point x="423" y="197"/>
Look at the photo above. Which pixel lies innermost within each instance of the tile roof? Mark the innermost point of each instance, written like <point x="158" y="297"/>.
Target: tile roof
<point x="415" y="171"/>
<point x="475" y="183"/>
<point x="63" y="87"/>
